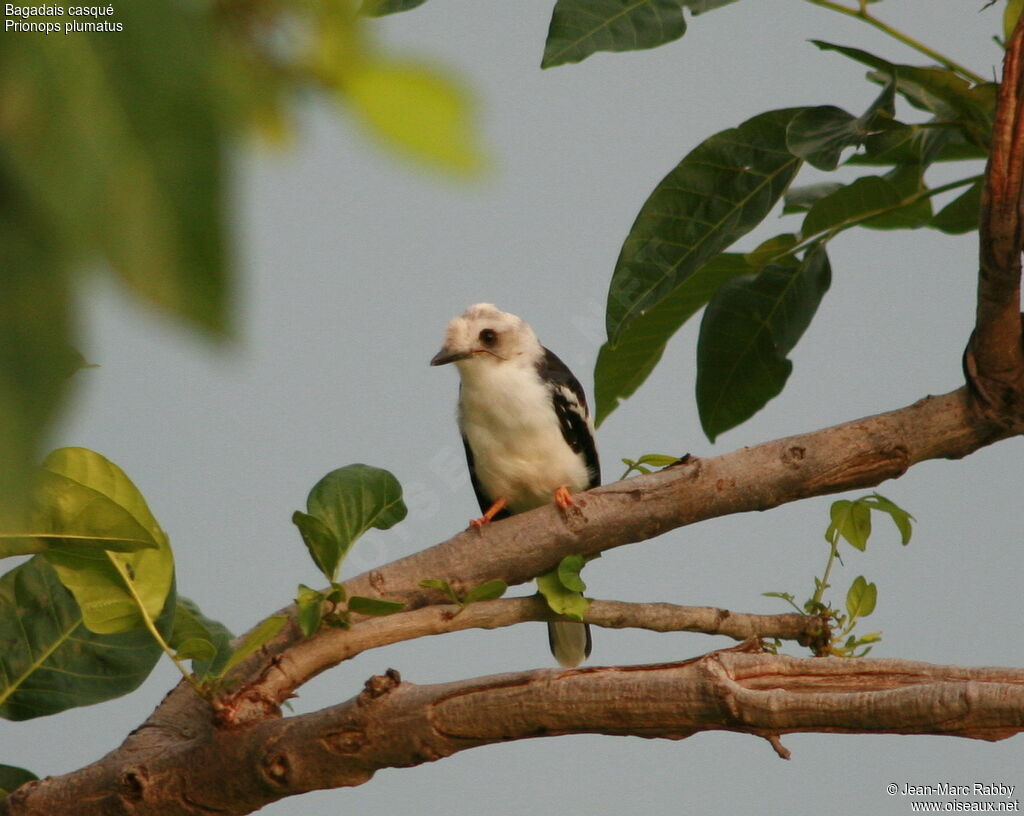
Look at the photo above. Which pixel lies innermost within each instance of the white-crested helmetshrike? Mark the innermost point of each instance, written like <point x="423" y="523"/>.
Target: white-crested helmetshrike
<point x="526" y="429"/>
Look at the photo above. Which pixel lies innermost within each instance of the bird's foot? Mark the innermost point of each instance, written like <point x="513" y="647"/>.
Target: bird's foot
<point x="571" y="511"/>
<point x="492" y="511"/>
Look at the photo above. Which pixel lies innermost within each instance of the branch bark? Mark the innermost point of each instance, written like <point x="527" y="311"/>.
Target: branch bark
<point x="393" y="724"/>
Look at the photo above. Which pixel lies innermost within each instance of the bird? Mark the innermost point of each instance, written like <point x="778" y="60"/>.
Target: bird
<point x="526" y="430"/>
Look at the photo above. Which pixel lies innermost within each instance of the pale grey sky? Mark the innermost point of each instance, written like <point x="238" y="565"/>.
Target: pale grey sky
<point x="351" y="263"/>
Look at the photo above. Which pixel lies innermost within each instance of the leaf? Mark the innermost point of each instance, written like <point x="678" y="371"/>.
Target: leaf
<point x="861" y="598"/>
<point x="34" y="334"/>
<point x="1010" y="15"/>
<point x="145" y="151"/>
<point x="915" y="207"/>
<point x="749" y="328"/>
<point x="50" y="661"/>
<point x="916" y="145"/>
<point x="444" y="586"/>
<point x="379" y="8"/>
<point x="850" y="205"/>
<point x="192" y="626"/>
<point x="196" y="649"/>
<point x="778" y="248"/>
<point x="962" y="214"/>
<point x="310" y="603"/>
<point x="819" y="135"/>
<point x="561" y="600"/>
<point x="938" y="90"/>
<point x="12" y="778"/>
<point x="416" y="110"/>
<point x="373" y="606"/>
<point x="569" y="572"/>
<point x="900" y="517"/>
<point x="851" y="520"/>
<point x="581" y="27"/>
<point x="347" y="502"/>
<point x="715" y="195"/>
<point x="114" y="590"/>
<point x="324" y="547"/>
<point x="624" y="367"/>
<point x="253" y="642"/>
<point x="65" y="513"/>
<point x="487" y="591"/>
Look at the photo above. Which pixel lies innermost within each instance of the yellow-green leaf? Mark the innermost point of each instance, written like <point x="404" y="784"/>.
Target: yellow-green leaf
<point x="114" y="589"/>
<point x="416" y="110"/>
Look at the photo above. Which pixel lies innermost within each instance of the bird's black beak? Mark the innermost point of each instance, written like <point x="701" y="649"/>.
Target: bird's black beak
<point x="444" y="356"/>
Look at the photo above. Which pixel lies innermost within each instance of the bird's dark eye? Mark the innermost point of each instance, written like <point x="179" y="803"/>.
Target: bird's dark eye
<point x="488" y="337"/>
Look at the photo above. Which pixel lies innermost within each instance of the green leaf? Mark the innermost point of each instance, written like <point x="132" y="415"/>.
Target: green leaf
<point x="416" y="110"/>
<point x="373" y="606"/>
<point x="114" y="589"/>
<point x="938" y="90"/>
<point x="35" y="333"/>
<point x="716" y="194"/>
<point x="253" y="642"/>
<point x="347" y="502"/>
<point x="560" y="599"/>
<point x="900" y="517"/>
<point x="861" y="598"/>
<point x="487" y="591"/>
<point x="851" y="520"/>
<point x="916" y="145"/>
<point x="65" y="513"/>
<point x="379" y="8"/>
<point x="196" y="649"/>
<point x="145" y="151"/>
<point x="444" y="586"/>
<point x="819" y="135"/>
<point x="915" y="207"/>
<point x="323" y="545"/>
<point x="1010" y="15"/>
<point x="581" y="27"/>
<point x="192" y="627"/>
<point x="624" y="367"/>
<point x="310" y="603"/>
<point x="50" y="661"/>
<point x="12" y="778"/>
<point x="569" y="572"/>
<point x="960" y="215"/>
<point x="864" y="202"/>
<point x="749" y="328"/>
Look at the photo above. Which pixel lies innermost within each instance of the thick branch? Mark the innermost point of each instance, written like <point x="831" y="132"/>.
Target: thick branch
<point x="994" y="361"/>
<point x="395" y="724"/>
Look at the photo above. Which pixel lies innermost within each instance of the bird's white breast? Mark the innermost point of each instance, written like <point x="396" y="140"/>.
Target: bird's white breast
<point x="507" y="417"/>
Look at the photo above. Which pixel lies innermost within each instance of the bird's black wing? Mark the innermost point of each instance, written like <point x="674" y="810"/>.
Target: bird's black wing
<point x="571" y="407"/>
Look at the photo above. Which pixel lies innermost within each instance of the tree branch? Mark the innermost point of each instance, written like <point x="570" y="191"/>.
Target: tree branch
<point x="308" y="658"/>
<point x="393" y="724"/>
<point x="994" y="360"/>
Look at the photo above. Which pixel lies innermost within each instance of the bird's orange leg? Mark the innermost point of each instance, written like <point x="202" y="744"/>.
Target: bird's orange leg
<point x="563" y="498"/>
<point x="492" y="511"/>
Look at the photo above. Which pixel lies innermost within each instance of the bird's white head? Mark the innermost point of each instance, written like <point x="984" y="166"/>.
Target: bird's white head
<point x="485" y="335"/>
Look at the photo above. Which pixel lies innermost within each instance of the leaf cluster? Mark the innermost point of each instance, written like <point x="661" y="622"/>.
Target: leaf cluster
<point x="849" y="521"/>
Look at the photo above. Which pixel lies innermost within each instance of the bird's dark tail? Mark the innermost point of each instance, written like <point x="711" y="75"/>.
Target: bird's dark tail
<point x="570" y="642"/>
